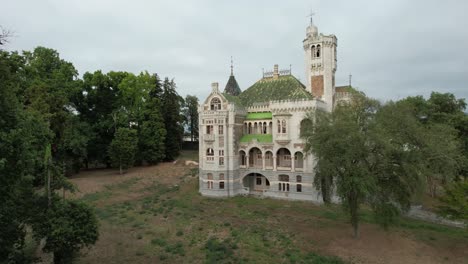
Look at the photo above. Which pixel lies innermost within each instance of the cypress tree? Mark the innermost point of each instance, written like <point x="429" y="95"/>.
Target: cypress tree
<point x="153" y="130"/>
<point x="171" y="103"/>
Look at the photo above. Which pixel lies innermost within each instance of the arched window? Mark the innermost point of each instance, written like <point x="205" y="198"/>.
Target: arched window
<point x="306" y="127"/>
<point x="265" y="128"/>
<point x="318" y="51"/>
<point x="279" y="126"/>
<point x="269" y="160"/>
<point x="210" y="152"/>
<point x="313" y="51"/>
<point x="215" y="104"/>
<point x="299" y="161"/>
<point x="243" y="158"/>
<point x="283" y="126"/>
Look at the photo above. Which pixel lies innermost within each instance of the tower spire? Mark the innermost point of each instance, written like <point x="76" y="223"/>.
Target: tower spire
<point x="311" y="15"/>
<point x="232" y="67"/>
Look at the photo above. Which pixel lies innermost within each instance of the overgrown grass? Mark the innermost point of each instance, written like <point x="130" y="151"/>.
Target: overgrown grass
<point x="174" y="224"/>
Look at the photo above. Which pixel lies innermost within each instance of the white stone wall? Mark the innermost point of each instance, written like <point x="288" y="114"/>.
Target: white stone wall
<point x="325" y="65"/>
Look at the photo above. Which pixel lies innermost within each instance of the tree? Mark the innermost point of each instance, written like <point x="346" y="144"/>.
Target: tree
<point x="68" y="226"/>
<point x="191" y="116"/>
<point x="455" y="202"/>
<point x="153" y="132"/>
<point x="171" y="103"/>
<point x="123" y="147"/>
<point x="5" y="34"/>
<point x="371" y="154"/>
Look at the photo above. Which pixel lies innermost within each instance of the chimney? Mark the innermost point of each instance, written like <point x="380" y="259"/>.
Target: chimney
<point x="214" y="87"/>
<point x="275" y="72"/>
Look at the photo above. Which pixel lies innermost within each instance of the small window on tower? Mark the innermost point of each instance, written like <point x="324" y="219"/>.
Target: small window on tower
<point x="318" y="51"/>
<point x="215" y="104"/>
<point x="312" y="51"/>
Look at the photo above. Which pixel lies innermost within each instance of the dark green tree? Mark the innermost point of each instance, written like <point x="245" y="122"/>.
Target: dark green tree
<point x="68" y="226"/>
<point x="191" y="116"/>
<point x="23" y="136"/>
<point x="373" y="155"/>
<point x="171" y="103"/>
<point x="153" y="131"/>
<point x="123" y="148"/>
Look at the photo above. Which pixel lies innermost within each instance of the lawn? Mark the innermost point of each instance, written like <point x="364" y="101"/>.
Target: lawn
<point x="156" y="215"/>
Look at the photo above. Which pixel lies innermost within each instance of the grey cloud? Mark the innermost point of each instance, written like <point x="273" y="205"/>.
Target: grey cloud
<point x="392" y="48"/>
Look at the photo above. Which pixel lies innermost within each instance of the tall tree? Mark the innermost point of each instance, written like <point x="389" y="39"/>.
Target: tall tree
<point x="23" y="136"/>
<point x="374" y="155"/>
<point x="191" y="116"/>
<point x="123" y="147"/>
<point x="171" y="103"/>
<point x="153" y="132"/>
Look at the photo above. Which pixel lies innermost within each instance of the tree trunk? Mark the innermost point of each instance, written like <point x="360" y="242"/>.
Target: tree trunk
<point x="49" y="195"/>
<point x="120" y="167"/>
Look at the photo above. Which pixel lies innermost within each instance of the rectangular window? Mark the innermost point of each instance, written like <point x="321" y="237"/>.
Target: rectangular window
<point x="298" y="178"/>
<point x="221" y="152"/>
<point x="221" y="185"/>
<point x="221" y="129"/>
<point x="221" y="177"/>
<point x="210" y="184"/>
<point x="259" y="181"/>
<point x="209" y="129"/>
<point x="221" y="160"/>
<point x="299" y="188"/>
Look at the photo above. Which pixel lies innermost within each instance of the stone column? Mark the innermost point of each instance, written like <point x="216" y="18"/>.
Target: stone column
<point x="293" y="162"/>
<point x="247" y="161"/>
<point x="274" y="163"/>
<point x="263" y="162"/>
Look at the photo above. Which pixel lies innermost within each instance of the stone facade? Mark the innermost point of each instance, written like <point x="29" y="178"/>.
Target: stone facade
<point x="256" y="148"/>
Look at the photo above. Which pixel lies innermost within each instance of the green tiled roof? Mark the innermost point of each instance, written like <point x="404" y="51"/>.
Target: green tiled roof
<point x="261" y="138"/>
<point x="285" y="87"/>
<point x="258" y="116"/>
<point x="233" y="99"/>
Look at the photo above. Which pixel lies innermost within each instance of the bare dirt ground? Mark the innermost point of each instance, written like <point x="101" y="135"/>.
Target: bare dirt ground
<point x="265" y="230"/>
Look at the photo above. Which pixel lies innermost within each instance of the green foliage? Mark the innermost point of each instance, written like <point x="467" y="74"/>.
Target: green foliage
<point x="219" y="251"/>
<point x="171" y="103"/>
<point x="455" y="201"/>
<point x="68" y="226"/>
<point x="190" y="112"/>
<point x="378" y="155"/>
<point x="123" y="147"/>
<point x="153" y="132"/>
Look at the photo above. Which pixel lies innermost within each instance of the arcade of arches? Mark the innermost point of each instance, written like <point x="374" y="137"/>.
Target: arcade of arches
<point x="282" y="160"/>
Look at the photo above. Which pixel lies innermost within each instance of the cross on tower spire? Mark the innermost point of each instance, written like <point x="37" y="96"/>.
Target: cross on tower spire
<point x="311" y="15"/>
<point x="232" y="67"/>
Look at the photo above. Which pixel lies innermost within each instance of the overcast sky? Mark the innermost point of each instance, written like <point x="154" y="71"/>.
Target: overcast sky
<point x="392" y="48"/>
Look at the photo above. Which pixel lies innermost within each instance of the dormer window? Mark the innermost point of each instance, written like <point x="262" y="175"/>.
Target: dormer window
<point x="215" y="104"/>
